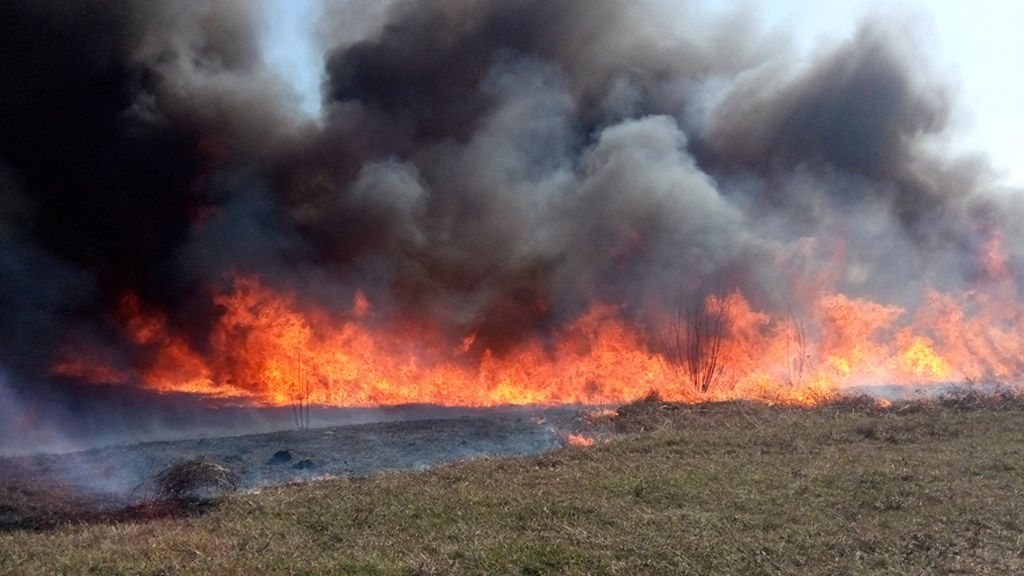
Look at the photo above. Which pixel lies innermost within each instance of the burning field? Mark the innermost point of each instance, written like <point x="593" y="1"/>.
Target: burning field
<point x="495" y="203"/>
<point x="651" y="248"/>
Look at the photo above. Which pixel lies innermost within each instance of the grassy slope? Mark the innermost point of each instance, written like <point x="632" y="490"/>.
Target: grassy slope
<point x="720" y="490"/>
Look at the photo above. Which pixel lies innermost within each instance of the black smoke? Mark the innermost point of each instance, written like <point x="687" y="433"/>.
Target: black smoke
<point x="492" y="166"/>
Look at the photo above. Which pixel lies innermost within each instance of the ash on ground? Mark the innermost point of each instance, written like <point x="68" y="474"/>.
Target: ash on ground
<point x="34" y="487"/>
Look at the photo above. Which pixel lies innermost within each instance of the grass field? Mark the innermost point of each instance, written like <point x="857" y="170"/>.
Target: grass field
<point x="714" y="489"/>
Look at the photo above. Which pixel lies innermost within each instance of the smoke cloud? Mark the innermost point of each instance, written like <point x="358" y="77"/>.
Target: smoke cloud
<point x="494" y="166"/>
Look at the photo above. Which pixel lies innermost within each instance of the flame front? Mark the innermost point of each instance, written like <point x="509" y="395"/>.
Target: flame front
<point x="267" y="349"/>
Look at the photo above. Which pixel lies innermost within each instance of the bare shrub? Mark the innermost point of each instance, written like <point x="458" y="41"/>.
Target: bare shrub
<point x="301" y="392"/>
<point x="196" y="479"/>
<point x="693" y="341"/>
<point x="797" y="349"/>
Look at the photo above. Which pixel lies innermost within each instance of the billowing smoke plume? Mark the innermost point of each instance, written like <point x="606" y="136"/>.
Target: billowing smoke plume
<point x="493" y="166"/>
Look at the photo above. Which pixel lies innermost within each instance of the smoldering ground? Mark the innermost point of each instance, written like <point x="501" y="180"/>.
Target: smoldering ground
<point x="494" y="167"/>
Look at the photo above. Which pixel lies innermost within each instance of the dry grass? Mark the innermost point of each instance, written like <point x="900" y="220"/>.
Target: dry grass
<point x="714" y="489"/>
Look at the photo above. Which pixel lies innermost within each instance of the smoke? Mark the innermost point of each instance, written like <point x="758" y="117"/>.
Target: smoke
<point x="494" y="166"/>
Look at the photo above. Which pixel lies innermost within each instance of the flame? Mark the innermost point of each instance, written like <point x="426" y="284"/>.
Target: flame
<point x="267" y="348"/>
<point x="600" y="414"/>
<point x="579" y="440"/>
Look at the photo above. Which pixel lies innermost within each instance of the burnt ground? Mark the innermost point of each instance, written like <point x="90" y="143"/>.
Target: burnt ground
<point x="852" y="486"/>
<point x="117" y="482"/>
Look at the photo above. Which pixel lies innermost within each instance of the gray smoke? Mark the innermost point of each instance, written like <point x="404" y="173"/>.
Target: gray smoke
<point x="492" y="166"/>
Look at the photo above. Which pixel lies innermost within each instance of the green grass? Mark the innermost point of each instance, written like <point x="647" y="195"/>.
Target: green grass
<point x="732" y="489"/>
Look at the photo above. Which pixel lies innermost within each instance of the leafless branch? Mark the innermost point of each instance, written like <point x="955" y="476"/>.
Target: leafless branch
<point x="693" y="342"/>
<point x="797" y="350"/>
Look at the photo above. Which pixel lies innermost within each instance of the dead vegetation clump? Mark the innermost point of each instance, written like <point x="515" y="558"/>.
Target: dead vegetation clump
<point x="199" y="479"/>
<point x="859" y="404"/>
<point x="643" y="415"/>
<point x="653" y="413"/>
<point x="970" y="398"/>
<point x="960" y="399"/>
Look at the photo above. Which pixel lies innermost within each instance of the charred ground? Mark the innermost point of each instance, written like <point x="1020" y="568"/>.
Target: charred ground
<point x="845" y="488"/>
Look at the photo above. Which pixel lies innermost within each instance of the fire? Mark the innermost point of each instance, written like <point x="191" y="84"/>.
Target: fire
<point x="579" y="440"/>
<point x="600" y="414"/>
<point x="920" y="359"/>
<point x="267" y="348"/>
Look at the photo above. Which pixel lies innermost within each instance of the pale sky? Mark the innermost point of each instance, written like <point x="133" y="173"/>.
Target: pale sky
<point x="979" y="44"/>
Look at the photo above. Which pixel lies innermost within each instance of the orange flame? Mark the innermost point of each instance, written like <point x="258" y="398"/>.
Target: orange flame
<point x="579" y="440"/>
<point x="267" y="349"/>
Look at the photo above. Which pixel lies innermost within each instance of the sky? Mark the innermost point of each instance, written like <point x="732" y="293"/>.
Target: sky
<point x="971" y="43"/>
